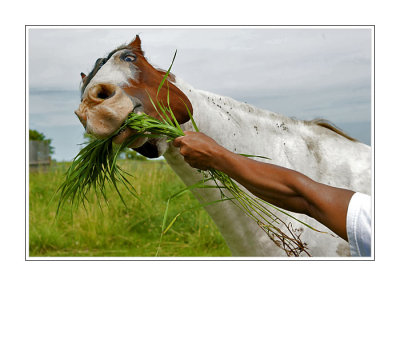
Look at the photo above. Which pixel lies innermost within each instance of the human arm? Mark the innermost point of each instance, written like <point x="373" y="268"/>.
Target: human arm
<point x="280" y="186"/>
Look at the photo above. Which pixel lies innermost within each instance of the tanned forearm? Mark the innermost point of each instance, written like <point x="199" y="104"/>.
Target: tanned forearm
<point x="287" y="189"/>
<point x="282" y="187"/>
<point x="277" y="185"/>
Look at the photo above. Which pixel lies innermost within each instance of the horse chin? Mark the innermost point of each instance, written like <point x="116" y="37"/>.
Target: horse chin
<point x="126" y="134"/>
<point x="153" y="148"/>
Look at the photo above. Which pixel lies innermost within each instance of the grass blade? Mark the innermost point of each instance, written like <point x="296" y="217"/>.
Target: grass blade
<point x="166" y="74"/>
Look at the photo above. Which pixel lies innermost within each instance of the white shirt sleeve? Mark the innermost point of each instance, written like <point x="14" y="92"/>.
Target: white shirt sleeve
<point x="358" y="225"/>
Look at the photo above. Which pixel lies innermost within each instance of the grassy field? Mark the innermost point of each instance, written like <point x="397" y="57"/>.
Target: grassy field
<point x="116" y="230"/>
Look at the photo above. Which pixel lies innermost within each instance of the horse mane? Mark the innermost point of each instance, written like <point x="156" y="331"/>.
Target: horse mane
<point x="330" y="126"/>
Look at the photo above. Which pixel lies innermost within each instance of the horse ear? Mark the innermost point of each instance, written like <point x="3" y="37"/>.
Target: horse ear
<point x="136" y="45"/>
<point x="83" y="76"/>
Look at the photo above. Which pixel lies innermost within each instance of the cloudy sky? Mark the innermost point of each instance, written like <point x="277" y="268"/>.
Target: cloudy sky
<point x="300" y="72"/>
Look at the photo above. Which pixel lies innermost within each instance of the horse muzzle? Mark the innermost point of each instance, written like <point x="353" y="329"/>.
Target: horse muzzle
<point x="104" y="109"/>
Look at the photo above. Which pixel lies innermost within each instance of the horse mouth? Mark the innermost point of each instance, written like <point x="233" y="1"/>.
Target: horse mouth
<point x="123" y="135"/>
<point x="127" y="132"/>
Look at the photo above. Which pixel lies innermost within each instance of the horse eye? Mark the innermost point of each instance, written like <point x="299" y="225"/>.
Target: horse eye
<point x="130" y="58"/>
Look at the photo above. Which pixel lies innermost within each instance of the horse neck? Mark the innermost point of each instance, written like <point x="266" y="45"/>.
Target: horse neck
<point x="238" y="126"/>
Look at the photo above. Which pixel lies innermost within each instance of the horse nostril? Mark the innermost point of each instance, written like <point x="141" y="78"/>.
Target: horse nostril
<point x="103" y="91"/>
<point x="106" y="92"/>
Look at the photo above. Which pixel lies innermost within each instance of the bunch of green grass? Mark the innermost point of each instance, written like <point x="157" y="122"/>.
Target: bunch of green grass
<point x="95" y="166"/>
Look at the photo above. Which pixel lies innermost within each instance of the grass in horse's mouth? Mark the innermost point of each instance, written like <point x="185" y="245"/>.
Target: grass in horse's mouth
<point x="119" y="132"/>
<point x="95" y="166"/>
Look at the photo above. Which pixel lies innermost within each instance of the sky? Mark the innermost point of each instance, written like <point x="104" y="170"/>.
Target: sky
<point x="303" y="72"/>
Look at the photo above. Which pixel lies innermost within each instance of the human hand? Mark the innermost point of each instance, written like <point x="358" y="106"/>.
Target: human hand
<point x="199" y="150"/>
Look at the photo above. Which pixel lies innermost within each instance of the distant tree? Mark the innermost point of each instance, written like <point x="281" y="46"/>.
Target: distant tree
<point x="38" y="136"/>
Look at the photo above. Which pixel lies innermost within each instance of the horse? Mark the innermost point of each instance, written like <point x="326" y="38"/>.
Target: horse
<point x="124" y="81"/>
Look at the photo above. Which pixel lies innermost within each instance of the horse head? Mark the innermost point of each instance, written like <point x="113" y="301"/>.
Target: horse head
<point x="122" y="83"/>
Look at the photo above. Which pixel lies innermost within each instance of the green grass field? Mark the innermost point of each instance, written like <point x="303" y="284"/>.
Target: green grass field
<point x="116" y="230"/>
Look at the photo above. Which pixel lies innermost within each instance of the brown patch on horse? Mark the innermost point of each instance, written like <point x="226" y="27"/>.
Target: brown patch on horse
<point x="328" y="125"/>
<point x="146" y="87"/>
<point x="149" y="79"/>
<point x="136" y="45"/>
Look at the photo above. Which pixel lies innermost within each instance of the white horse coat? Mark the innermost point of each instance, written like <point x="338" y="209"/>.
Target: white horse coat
<point x="315" y="151"/>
